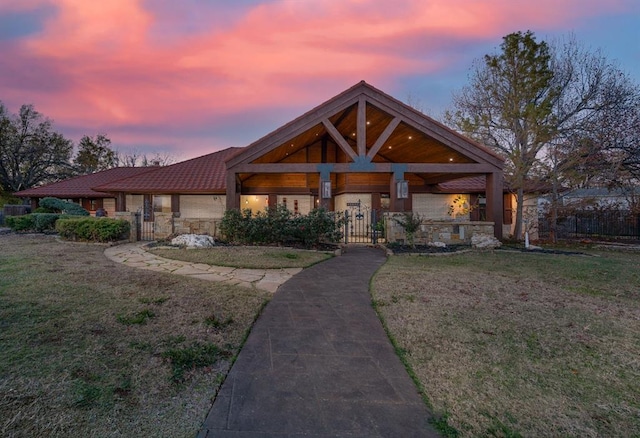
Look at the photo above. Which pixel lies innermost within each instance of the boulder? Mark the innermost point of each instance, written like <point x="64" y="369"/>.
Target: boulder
<point x="193" y="241"/>
<point x="437" y="244"/>
<point x="484" y="241"/>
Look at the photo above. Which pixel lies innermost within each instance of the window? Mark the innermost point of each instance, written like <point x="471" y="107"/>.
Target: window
<point x="162" y="204"/>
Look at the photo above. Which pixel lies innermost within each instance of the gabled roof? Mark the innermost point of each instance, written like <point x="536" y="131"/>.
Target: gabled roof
<point x="81" y="186"/>
<point x="369" y="126"/>
<point x="206" y="174"/>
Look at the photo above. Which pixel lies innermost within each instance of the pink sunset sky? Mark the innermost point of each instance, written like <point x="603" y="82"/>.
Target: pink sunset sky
<point x="190" y="77"/>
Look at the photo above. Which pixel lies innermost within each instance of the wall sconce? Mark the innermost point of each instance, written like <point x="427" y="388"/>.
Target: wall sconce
<point x="402" y="189"/>
<point x="326" y="189"/>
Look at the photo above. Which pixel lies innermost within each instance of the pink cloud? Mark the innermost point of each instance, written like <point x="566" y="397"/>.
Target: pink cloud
<point x="110" y="68"/>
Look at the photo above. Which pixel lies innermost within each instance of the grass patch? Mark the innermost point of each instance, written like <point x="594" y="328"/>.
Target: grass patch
<point x="519" y="344"/>
<point x="68" y="367"/>
<point x="157" y="301"/>
<point x="192" y="357"/>
<point x="248" y="257"/>
<point x="137" y="318"/>
<point x="217" y="323"/>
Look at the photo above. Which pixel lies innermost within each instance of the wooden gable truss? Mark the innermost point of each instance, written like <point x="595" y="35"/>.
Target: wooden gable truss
<point x="363" y="140"/>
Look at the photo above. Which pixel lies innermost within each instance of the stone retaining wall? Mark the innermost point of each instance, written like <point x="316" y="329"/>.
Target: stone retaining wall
<point x="438" y="231"/>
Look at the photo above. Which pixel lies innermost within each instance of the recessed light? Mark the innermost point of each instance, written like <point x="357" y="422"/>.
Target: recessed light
<point x="410" y="138"/>
<point x="368" y="122"/>
<point x="450" y="159"/>
<point x="389" y="147"/>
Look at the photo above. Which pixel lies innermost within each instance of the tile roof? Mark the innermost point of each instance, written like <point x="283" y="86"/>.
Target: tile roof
<point x="472" y="184"/>
<point x="205" y="174"/>
<point x="81" y="186"/>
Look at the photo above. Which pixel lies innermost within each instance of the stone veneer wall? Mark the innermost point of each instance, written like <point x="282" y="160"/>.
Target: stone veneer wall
<point x="437" y="231"/>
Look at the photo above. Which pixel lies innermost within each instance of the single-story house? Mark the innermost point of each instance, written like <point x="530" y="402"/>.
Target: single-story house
<point x="79" y="189"/>
<point x="361" y="152"/>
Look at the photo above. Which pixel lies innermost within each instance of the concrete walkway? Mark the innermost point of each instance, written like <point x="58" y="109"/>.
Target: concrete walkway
<point x="134" y="255"/>
<point x="318" y="364"/>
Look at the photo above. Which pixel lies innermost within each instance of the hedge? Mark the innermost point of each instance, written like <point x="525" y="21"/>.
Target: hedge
<point x="37" y="222"/>
<point x="93" y="229"/>
<point x="280" y="226"/>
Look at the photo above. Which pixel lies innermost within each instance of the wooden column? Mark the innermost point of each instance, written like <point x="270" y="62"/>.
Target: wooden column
<point x="175" y="205"/>
<point x="273" y="201"/>
<point x="233" y="197"/>
<point x="121" y="202"/>
<point x="494" y="190"/>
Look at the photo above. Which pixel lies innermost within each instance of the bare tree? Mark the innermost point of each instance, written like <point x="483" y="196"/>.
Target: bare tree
<point x="538" y="105"/>
<point x="137" y="159"/>
<point x="31" y="153"/>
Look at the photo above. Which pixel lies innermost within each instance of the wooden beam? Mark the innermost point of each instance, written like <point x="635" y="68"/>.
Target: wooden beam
<point x="293" y="128"/>
<point x="456" y="168"/>
<point x="361" y="130"/>
<point x="393" y="124"/>
<point x="495" y="201"/>
<point x="337" y="137"/>
<point x="233" y="197"/>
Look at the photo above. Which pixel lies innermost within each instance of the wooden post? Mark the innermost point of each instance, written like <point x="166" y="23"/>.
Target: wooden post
<point x="494" y="189"/>
<point x="233" y="197"/>
<point x="121" y="202"/>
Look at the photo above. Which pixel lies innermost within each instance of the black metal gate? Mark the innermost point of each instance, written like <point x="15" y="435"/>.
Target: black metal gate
<point x="144" y="227"/>
<point x="362" y="224"/>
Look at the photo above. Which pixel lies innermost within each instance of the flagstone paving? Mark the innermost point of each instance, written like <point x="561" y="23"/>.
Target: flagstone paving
<point x="135" y="256"/>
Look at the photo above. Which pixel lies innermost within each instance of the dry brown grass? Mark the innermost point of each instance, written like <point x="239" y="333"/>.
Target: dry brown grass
<point x="68" y="367"/>
<point x="511" y="344"/>
<point x="250" y="257"/>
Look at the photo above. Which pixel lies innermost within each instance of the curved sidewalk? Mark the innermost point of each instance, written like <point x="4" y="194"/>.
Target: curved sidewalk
<point x="318" y="364"/>
<point x="134" y="255"/>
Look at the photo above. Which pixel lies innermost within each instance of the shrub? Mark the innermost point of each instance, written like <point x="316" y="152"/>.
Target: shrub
<point x="93" y="229"/>
<point x="44" y="221"/>
<point x="20" y="223"/>
<point x="411" y="223"/>
<point x="280" y="226"/>
<point x="58" y="205"/>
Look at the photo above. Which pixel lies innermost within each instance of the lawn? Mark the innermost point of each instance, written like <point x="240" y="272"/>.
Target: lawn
<point x="249" y="257"/>
<point x="93" y="348"/>
<point x="519" y="344"/>
<point x="503" y="343"/>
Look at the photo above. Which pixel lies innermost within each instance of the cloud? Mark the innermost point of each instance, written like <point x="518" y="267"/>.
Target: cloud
<point x="134" y="66"/>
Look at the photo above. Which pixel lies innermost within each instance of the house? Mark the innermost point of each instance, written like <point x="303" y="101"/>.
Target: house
<point x="79" y="189"/>
<point x="362" y="152"/>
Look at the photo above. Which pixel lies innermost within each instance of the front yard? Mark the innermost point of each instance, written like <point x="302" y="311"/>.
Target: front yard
<point x="519" y="344"/>
<point x="503" y="343"/>
<point x="93" y="348"/>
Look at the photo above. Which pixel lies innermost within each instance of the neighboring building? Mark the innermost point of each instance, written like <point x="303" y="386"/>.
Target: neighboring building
<point x="599" y="197"/>
<point x="79" y="189"/>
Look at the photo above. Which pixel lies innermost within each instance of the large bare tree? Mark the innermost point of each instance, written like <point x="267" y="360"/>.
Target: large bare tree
<point x="535" y="103"/>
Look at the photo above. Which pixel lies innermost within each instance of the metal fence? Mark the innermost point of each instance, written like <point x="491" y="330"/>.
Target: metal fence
<point x="594" y="224"/>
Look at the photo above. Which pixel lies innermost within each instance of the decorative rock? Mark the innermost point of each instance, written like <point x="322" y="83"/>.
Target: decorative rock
<point x="534" y="248"/>
<point x="194" y="241"/>
<point x="484" y="241"/>
<point x="437" y="244"/>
